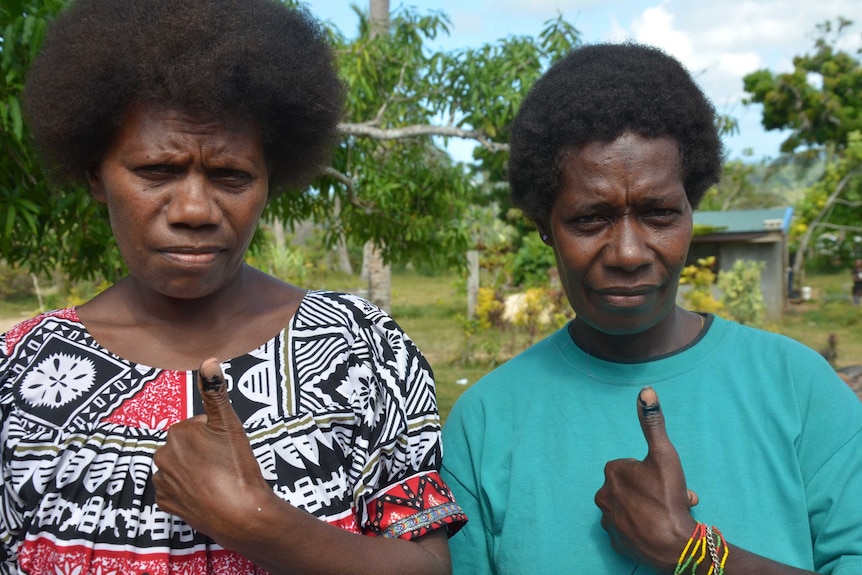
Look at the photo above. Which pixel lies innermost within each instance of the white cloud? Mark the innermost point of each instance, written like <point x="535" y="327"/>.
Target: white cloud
<point x="656" y="27"/>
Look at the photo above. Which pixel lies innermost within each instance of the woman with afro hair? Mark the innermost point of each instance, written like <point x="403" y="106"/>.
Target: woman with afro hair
<point x="563" y="458"/>
<point x="200" y="416"/>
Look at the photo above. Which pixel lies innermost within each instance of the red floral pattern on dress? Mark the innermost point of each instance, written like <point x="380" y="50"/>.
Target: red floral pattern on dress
<point x="162" y="403"/>
<point x="42" y="557"/>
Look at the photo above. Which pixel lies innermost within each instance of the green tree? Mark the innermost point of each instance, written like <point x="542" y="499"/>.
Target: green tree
<point x="820" y="102"/>
<point x="40" y="227"/>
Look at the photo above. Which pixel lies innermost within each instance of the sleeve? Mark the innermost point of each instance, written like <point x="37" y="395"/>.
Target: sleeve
<point x="836" y="511"/>
<point x="398" y="446"/>
<point x="471" y="548"/>
<point x="830" y="455"/>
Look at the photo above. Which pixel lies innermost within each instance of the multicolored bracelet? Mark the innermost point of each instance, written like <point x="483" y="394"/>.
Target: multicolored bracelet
<point x="705" y="539"/>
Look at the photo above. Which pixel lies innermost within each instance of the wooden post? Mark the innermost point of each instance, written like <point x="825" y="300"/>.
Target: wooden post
<point x="472" y="282"/>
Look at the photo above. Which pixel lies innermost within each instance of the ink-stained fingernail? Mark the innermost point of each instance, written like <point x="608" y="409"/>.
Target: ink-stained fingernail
<point x="649" y="401"/>
<point x="213" y="382"/>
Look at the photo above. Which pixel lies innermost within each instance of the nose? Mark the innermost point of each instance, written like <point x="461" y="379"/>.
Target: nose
<point x="628" y="250"/>
<point x="192" y="204"/>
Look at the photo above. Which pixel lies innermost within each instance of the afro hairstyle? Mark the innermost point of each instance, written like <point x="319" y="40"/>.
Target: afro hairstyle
<point x="598" y="92"/>
<point x="237" y="59"/>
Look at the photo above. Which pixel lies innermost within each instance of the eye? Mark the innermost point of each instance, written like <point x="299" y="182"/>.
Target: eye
<point x="589" y="222"/>
<point x="230" y="177"/>
<point x="157" y="171"/>
<point x="661" y="215"/>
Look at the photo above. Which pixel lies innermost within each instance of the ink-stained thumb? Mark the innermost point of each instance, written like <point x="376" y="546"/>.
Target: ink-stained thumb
<point x="652" y="419"/>
<point x="213" y="388"/>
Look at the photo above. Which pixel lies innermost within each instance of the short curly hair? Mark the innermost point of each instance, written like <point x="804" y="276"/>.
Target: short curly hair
<point x="252" y="59"/>
<point x="598" y="92"/>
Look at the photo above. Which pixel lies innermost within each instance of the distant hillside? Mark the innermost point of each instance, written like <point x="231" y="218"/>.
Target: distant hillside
<point x="787" y="178"/>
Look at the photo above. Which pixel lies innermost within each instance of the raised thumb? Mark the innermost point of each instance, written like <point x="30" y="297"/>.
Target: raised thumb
<point x="213" y="388"/>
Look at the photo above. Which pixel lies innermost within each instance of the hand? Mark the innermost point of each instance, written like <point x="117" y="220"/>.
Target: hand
<point x="645" y="504"/>
<point x="207" y="473"/>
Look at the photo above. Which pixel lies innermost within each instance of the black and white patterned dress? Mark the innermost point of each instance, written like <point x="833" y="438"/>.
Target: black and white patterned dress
<point x="339" y="408"/>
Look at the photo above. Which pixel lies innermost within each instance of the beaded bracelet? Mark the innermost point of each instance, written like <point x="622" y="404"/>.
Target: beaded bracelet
<point x="705" y="539"/>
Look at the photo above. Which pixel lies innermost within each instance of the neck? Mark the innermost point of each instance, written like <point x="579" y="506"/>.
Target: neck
<point x="150" y="307"/>
<point x="677" y="330"/>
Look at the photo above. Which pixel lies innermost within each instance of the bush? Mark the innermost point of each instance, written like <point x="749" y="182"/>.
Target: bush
<point x="701" y="278"/>
<point x="532" y="261"/>
<point x="741" y="294"/>
<point x="15" y="283"/>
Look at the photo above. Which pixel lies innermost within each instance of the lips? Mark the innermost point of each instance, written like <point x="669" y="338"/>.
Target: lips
<point x="191" y="255"/>
<point x="626" y="296"/>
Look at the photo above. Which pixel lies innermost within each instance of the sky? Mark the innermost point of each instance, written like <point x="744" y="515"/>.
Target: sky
<point x="719" y="41"/>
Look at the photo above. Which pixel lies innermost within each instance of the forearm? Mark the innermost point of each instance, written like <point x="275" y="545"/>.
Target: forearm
<point x="742" y="562"/>
<point x="286" y="540"/>
<point x="738" y="562"/>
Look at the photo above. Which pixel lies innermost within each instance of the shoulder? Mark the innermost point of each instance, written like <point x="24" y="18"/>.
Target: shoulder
<point x="766" y="344"/>
<point x="23" y="344"/>
<point x="363" y="328"/>
<point x="322" y="307"/>
<point x="27" y="328"/>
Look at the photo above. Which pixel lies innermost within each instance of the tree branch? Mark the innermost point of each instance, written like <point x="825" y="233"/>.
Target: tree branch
<point x="829" y="226"/>
<point x="367" y="131"/>
<point x="815" y="222"/>
<point x="350" y="185"/>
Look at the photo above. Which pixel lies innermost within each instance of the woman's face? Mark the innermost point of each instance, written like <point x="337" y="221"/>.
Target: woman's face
<point x="184" y="194"/>
<point x="620" y="227"/>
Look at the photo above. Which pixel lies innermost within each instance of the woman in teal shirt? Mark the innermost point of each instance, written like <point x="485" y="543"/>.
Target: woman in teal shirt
<point x="562" y="458"/>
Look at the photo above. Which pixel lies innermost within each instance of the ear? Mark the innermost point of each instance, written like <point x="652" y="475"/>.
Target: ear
<point x="97" y="186"/>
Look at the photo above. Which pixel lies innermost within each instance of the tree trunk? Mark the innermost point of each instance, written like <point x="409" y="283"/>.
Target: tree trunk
<point x="799" y="261"/>
<point x="379" y="17"/>
<point x="278" y="234"/>
<point x="379" y="276"/>
<point x="344" y="265"/>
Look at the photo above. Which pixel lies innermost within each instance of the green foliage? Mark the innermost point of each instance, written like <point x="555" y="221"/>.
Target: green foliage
<point x="830" y="211"/>
<point x="491" y="82"/>
<point x="525" y="316"/>
<point x="820" y="100"/>
<point x="821" y="104"/>
<point x="15" y="283"/>
<point x="741" y="295"/>
<point x="530" y="264"/>
<point x="837" y="168"/>
<point x="699" y="279"/>
<point x="402" y="191"/>
<point x="41" y="229"/>
<point x="741" y="298"/>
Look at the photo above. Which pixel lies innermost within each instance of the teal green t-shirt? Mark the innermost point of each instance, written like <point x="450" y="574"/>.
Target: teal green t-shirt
<point x="769" y="438"/>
